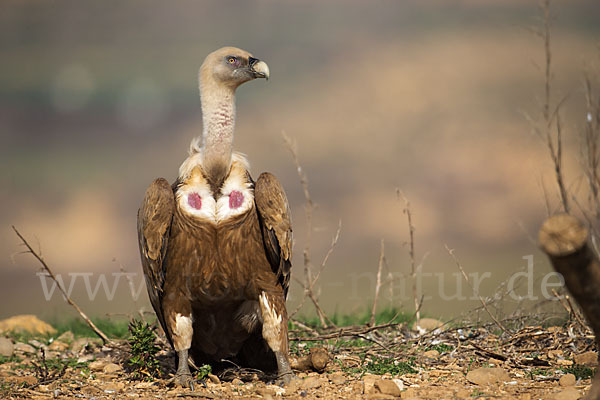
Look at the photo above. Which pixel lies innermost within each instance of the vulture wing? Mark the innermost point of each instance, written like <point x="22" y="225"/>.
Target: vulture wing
<point x="274" y="214"/>
<point x="154" y="224"/>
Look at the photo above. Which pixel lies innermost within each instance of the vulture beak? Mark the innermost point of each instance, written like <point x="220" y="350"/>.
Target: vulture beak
<point x="258" y="68"/>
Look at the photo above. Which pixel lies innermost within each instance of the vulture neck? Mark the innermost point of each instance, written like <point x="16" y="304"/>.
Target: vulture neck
<point x="218" y="118"/>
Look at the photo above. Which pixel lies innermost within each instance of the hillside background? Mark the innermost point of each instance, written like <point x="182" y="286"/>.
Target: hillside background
<point x="97" y="100"/>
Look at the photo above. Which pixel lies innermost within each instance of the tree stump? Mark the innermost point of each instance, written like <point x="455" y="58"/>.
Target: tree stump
<point x="565" y="240"/>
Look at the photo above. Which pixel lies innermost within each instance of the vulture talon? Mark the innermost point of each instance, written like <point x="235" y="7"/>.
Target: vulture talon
<point x="184" y="380"/>
<point x="285" y="378"/>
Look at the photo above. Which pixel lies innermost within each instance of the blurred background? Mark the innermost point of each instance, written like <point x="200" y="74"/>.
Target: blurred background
<point x="431" y="97"/>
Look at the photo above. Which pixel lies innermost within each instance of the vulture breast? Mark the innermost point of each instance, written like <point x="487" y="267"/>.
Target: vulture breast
<point x="195" y="198"/>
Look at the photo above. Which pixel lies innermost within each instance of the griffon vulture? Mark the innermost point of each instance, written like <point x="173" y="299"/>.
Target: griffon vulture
<point x="215" y="245"/>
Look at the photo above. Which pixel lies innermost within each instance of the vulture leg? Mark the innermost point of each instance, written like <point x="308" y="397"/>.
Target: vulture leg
<point x="274" y="331"/>
<point x="183" y="377"/>
<point x="180" y="326"/>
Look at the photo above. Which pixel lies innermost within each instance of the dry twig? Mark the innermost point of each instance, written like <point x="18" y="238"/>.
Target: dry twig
<point x="96" y="330"/>
<point x="483" y="303"/>
<point x="309" y="281"/>
<point x="378" y="284"/>
<point x="411" y="252"/>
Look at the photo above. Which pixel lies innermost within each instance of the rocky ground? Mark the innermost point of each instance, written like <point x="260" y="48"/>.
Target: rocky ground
<point x="389" y="362"/>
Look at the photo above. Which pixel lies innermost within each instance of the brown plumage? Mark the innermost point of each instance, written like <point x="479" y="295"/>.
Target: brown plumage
<point x="216" y="246"/>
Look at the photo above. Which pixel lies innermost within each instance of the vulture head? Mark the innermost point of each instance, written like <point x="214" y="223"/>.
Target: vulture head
<point x="230" y="67"/>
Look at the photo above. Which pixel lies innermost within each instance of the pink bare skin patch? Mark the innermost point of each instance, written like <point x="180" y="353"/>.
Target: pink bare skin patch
<point x="235" y="199"/>
<point x="195" y="201"/>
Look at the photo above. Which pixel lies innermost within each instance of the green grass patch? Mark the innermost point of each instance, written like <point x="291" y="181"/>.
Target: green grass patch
<point x="440" y="348"/>
<point x="13" y="358"/>
<point x="388" y="315"/>
<point x="115" y="328"/>
<point x="382" y="365"/>
<point x="580" y="371"/>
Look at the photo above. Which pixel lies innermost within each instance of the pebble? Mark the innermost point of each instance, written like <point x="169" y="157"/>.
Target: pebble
<point x="427" y="324"/>
<point x="312" y="382"/>
<point x="569" y="393"/>
<point x="24" y="348"/>
<point x="432" y="354"/>
<point x="26" y="324"/>
<point x="66" y="337"/>
<point x="7" y="348"/>
<point x="111" y="368"/>
<point x="97" y="366"/>
<point x="237" y="382"/>
<point x="19" y="380"/>
<point x="79" y="344"/>
<point x="57" y="345"/>
<point x="337" y="378"/>
<point x="589" y="358"/>
<point x="113" y="387"/>
<point x="567" y="380"/>
<point x="213" y="378"/>
<point x="388" y="387"/>
<point x="483" y="376"/>
<point x="369" y="383"/>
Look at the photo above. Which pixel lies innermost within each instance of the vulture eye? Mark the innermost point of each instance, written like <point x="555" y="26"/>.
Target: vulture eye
<point x="231" y="60"/>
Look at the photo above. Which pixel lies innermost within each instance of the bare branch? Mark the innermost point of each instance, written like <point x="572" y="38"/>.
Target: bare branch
<point x="309" y="207"/>
<point x="411" y="251"/>
<point x="37" y="255"/>
<point x="378" y="284"/>
<point x="483" y="303"/>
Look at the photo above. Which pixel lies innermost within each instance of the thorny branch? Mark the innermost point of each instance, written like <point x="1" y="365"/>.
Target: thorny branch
<point x="38" y="256"/>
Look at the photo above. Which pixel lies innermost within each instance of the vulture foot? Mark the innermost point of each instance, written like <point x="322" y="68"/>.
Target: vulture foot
<point x="184" y="380"/>
<point x="284" y="372"/>
<point x="183" y="377"/>
<point x="285" y="378"/>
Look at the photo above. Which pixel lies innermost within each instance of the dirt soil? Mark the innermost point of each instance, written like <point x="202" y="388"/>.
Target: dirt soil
<point x="390" y="362"/>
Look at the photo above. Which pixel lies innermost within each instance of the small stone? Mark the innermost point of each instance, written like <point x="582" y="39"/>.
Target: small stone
<point x="24" y="348"/>
<point x="266" y="392"/>
<point x="569" y="393"/>
<point x="427" y="324"/>
<point x="312" y="382"/>
<point x="112" y="368"/>
<point x="57" y="345"/>
<point x="319" y="358"/>
<point x="388" y="387"/>
<point x="565" y="363"/>
<point x="66" y="337"/>
<point x="213" y="378"/>
<point x="7" y="348"/>
<point x="237" y="382"/>
<point x="97" y="366"/>
<point x="113" y="387"/>
<point x="399" y="383"/>
<point x="589" y="359"/>
<point x="567" y="380"/>
<point x="293" y="386"/>
<point x="144" y="385"/>
<point x="37" y="344"/>
<point x="484" y="376"/>
<point x="79" y="344"/>
<point x="432" y="354"/>
<point x="26" y="324"/>
<point x="369" y="384"/>
<point x="337" y="378"/>
<point x="19" y="380"/>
